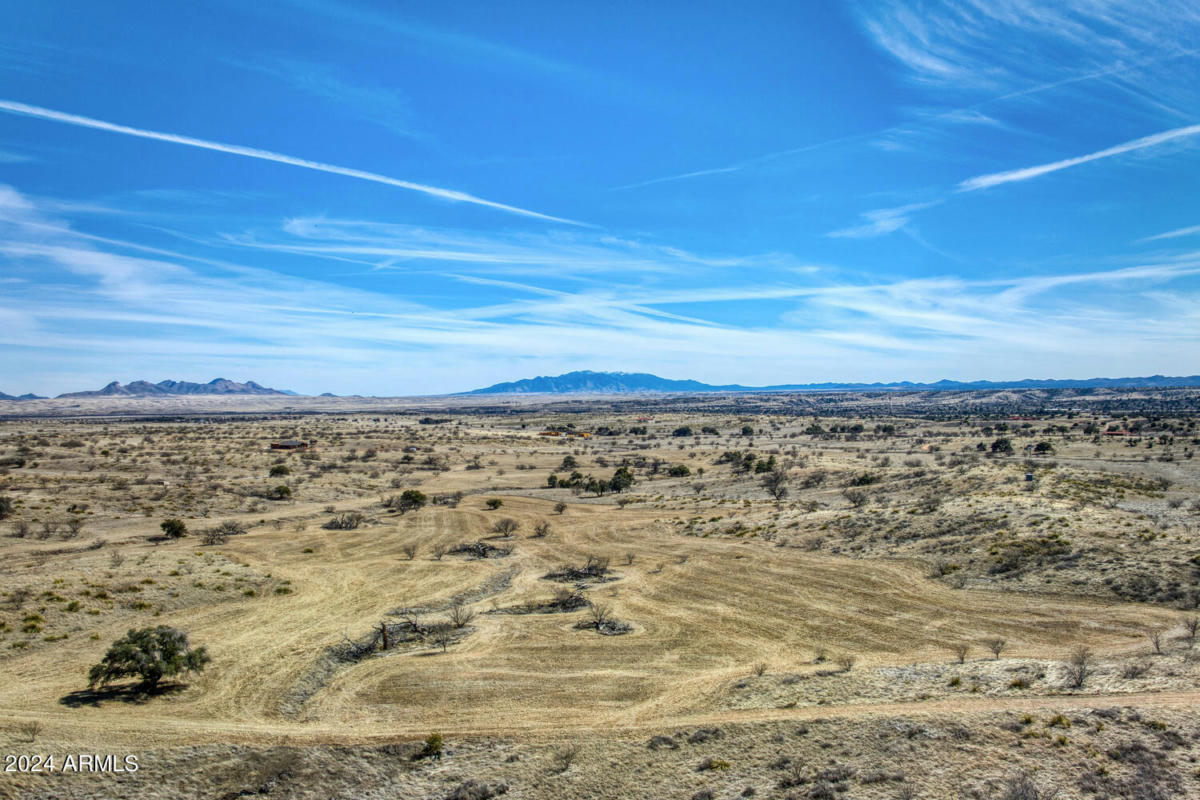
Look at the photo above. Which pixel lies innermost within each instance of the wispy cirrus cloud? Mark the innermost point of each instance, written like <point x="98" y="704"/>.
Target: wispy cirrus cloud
<point x="1126" y="60"/>
<point x="30" y="57"/>
<point x="266" y="155"/>
<point x="1191" y="230"/>
<point x="967" y="116"/>
<point x="682" y="176"/>
<point x="381" y="105"/>
<point x="399" y="27"/>
<point x="929" y="122"/>
<point x="1015" y="44"/>
<point x="759" y="160"/>
<point x="881" y="222"/>
<point x="101" y="308"/>
<point x="889" y="220"/>
<point x="11" y="157"/>
<point x="392" y="246"/>
<point x="442" y="40"/>
<point x="1017" y="50"/>
<point x="1027" y="173"/>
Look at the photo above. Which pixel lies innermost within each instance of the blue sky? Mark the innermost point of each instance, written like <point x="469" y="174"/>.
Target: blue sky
<point x="412" y="198"/>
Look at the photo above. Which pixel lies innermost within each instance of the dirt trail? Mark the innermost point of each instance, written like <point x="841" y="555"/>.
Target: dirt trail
<point x="64" y="725"/>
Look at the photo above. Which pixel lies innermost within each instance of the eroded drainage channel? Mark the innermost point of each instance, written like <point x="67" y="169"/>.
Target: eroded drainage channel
<point x="404" y="632"/>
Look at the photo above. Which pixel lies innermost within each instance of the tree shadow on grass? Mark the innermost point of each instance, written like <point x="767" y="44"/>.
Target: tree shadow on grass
<point x="135" y="693"/>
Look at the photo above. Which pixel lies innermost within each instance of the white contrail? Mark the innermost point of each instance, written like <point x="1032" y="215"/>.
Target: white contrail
<point x="1175" y="234"/>
<point x="997" y="178"/>
<point x="267" y="155"/>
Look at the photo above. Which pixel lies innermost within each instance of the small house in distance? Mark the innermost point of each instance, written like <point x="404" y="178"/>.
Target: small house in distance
<point x="289" y="444"/>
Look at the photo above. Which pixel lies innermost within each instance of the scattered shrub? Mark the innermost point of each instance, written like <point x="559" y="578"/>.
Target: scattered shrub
<point x="564" y="757"/>
<point x="474" y="790"/>
<point x="345" y="522"/>
<point x="432" y="748"/>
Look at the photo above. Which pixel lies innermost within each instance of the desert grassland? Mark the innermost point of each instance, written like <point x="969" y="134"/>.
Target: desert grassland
<point x="698" y="626"/>
<point x="714" y="576"/>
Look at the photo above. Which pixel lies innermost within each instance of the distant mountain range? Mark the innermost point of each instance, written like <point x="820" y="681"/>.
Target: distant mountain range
<point x="588" y="382"/>
<point x="601" y="383"/>
<point x="165" y="389"/>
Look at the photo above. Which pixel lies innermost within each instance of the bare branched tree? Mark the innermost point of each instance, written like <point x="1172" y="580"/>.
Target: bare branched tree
<point x="212" y="537"/>
<point x="856" y="497"/>
<point x="563" y="595"/>
<point x="1190" y="626"/>
<point x="1079" y="667"/>
<point x="599" y="613"/>
<point x="442" y="634"/>
<point x="461" y="615"/>
<point x="776" y="484"/>
<point x="345" y="522"/>
<point x="996" y="646"/>
<point x="412" y="616"/>
<point x="506" y="526"/>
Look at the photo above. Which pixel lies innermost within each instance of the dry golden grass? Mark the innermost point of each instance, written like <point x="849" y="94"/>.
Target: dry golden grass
<point x="704" y="607"/>
<point x="698" y="625"/>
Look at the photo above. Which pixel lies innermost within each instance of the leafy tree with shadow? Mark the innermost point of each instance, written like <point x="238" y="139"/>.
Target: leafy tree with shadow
<point x="622" y="479"/>
<point x="150" y="654"/>
<point x="411" y="500"/>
